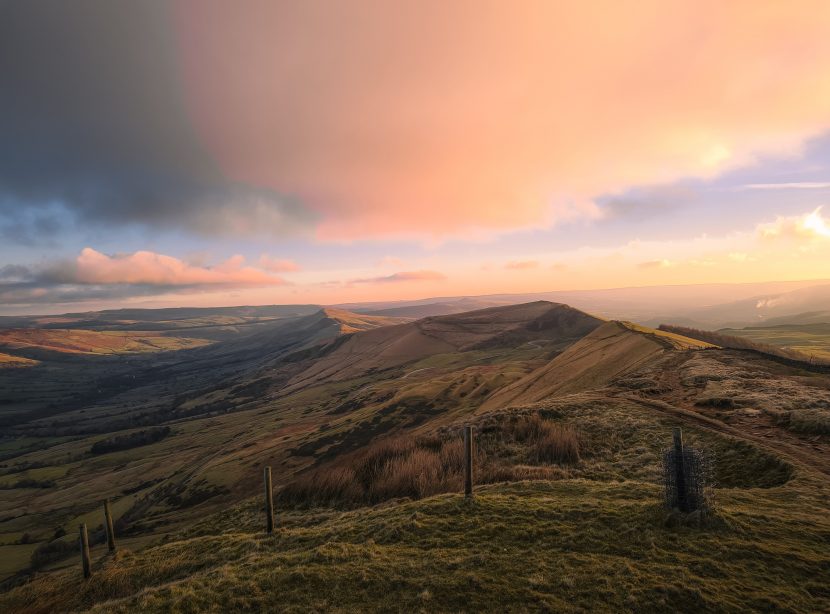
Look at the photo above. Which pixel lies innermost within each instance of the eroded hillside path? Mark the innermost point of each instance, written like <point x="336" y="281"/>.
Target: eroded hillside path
<point x="677" y="399"/>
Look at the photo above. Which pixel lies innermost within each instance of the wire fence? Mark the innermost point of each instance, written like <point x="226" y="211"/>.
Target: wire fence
<point x="688" y="479"/>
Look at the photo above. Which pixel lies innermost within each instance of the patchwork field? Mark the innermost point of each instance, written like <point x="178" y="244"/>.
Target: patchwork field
<point x="71" y="341"/>
<point x="809" y="339"/>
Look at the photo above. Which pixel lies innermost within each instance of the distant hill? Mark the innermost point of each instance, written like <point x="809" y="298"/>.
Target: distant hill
<point x="798" y="319"/>
<point x="704" y="305"/>
<point x="697" y="305"/>
<point x="760" y="309"/>
<point x="507" y="326"/>
<point x="434" y="309"/>
<point x="213" y="323"/>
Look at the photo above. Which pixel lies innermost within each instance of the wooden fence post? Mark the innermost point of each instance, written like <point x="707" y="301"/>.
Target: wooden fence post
<point x="468" y="461"/>
<point x="680" y="473"/>
<point x="108" y="526"/>
<point x="85" y="552"/>
<point x="269" y="502"/>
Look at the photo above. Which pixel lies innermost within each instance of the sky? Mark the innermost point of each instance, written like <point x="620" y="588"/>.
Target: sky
<point x="204" y="152"/>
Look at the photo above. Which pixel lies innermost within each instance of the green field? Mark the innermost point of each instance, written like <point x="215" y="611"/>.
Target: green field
<point x="809" y="339"/>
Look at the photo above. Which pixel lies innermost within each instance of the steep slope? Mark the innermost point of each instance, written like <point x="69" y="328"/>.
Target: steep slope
<point x="128" y="385"/>
<point x="392" y="346"/>
<point x="613" y="349"/>
<point x="294" y="334"/>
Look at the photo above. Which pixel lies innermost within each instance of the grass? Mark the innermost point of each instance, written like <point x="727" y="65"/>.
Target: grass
<point x="576" y="545"/>
<point x="805" y="421"/>
<point x="589" y="535"/>
<point x="418" y="467"/>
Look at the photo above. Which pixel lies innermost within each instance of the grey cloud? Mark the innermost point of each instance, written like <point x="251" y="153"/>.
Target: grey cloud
<point x="92" y="116"/>
<point x="645" y="203"/>
<point x="15" y="272"/>
<point x="33" y="293"/>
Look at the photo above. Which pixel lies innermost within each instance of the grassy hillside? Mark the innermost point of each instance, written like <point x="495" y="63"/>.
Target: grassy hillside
<point x="596" y="540"/>
<point x="317" y="412"/>
<point x="608" y="352"/>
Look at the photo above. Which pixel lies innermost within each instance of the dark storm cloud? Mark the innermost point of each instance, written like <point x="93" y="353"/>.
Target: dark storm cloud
<point x="14" y="272"/>
<point x="92" y="117"/>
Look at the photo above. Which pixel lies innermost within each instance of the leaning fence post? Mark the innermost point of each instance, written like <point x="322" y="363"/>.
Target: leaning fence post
<point x="680" y="474"/>
<point x="85" y="552"/>
<point x="269" y="502"/>
<point x="468" y="461"/>
<point x="108" y="526"/>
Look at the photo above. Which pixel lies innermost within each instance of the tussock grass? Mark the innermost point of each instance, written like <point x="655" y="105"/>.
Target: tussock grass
<point x="805" y="421"/>
<point x="583" y="436"/>
<point x="398" y="467"/>
<point x="417" y="467"/>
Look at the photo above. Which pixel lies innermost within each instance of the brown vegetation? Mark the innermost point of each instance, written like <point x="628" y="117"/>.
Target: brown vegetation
<point x="420" y="467"/>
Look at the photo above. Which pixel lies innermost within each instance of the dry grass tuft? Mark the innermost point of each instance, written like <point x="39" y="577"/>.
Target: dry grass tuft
<point x="421" y="467"/>
<point x="400" y="467"/>
<point x="558" y="444"/>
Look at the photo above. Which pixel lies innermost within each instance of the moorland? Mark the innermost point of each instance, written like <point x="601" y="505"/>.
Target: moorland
<point x="360" y="416"/>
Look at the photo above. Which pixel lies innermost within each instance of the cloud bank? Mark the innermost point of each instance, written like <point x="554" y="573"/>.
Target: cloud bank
<point x="364" y="120"/>
<point x="94" y="275"/>
<point x="511" y="116"/>
<point x="402" y="277"/>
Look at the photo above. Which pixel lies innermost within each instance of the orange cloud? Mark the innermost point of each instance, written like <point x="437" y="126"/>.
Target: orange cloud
<point x="402" y="276"/>
<point x="436" y="119"/>
<point x="389" y="261"/>
<point x="522" y="264"/>
<point x="277" y="265"/>
<point x="655" y="264"/>
<point x="144" y="267"/>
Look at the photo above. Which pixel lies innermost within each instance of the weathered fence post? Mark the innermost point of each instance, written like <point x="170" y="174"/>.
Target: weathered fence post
<point x="85" y="552"/>
<point x="108" y="526"/>
<point x="680" y="473"/>
<point x="269" y="502"/>
<point x="468" y="461"/>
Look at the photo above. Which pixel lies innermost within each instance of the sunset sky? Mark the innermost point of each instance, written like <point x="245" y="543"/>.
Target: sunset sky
<point x="203" y="152"/>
